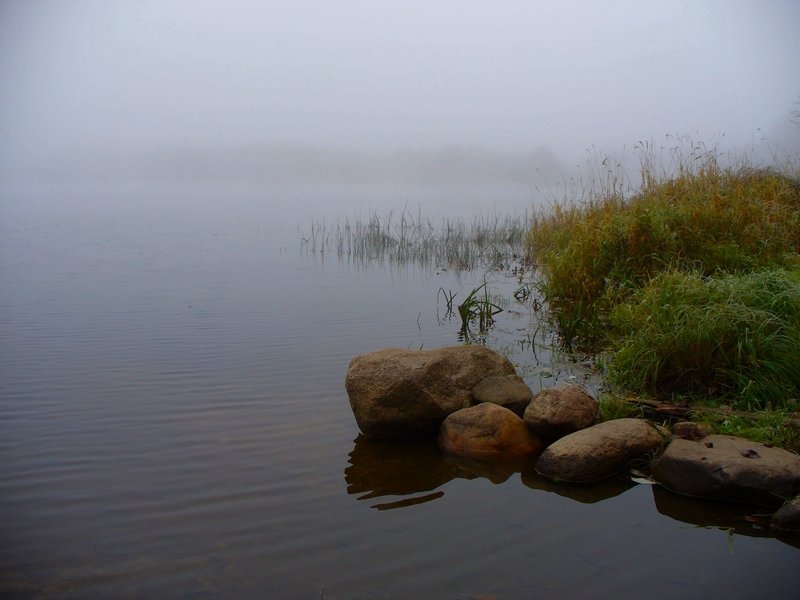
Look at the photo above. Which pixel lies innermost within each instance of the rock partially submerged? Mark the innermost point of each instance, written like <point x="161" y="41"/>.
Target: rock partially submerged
<point x="787" y="518"/>
<point x="396" y="393"/>
<point x="472" y="397"/>
<point x="509" y="391"/>
<point x="724" y="467"/>
<point x="554" y="413"/>
<point x="599" y="451"/>
<point x="488" y="431"/>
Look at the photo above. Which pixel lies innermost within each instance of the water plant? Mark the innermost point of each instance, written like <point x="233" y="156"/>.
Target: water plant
<point x="449" y="298"/>
<point x="490" y="241"/>
<point x="478" y="307"/>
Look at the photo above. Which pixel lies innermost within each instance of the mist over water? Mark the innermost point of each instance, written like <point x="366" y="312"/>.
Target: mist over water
<point x="410" y="92"/>
<point x="173" y="419"/>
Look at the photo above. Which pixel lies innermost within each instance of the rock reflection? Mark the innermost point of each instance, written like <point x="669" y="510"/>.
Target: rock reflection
<point x="414" y="468"/>
<point x="391" y="468"/>
<point x="417" y="468"/>
<point x="586" y="493"/>
<point x="740" y="519"/>
<point x="496" y="472"/>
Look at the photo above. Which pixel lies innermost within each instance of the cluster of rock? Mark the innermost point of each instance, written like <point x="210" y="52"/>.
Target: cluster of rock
<point x="473" y="400"/>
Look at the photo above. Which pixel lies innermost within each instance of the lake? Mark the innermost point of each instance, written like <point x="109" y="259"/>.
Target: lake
<point x="174" y="423"/>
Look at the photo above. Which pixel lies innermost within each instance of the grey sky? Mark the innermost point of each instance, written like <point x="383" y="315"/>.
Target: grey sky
<point x="84" y="81"/>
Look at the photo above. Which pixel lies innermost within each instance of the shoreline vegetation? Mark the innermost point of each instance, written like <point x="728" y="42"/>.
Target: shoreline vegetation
<point x="683" y="290"/>
<point x="688" y="289"/>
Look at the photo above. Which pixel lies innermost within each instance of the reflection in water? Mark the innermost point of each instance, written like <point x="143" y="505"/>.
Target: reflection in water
<point x="496" y="471"/>
<point x="408" y="501"/>
<point x="391" y="468"/>
<point x="416" y="469"/>
<point x="741" y="519"/>
<point x="586" y="493"/>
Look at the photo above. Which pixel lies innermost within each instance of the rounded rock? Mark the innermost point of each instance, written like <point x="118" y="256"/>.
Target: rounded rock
<point x="554" y="413"/>
<point x="599" y="451"/>
<point x="731" y="468"/>
<point x="509" y="391"/>
<point x="398" y="393"/>
<point x="487" y="431"/>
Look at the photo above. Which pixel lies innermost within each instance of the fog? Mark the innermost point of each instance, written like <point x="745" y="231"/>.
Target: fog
<point x="352" y="91"/>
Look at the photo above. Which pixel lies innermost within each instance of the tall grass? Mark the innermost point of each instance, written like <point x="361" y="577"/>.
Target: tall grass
<point x="700" y="217"/>
<point x="734" y="336"/>
<point x="690" y="283"/>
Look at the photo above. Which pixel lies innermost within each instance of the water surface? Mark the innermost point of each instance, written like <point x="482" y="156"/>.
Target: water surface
<point x="173" y="421"/>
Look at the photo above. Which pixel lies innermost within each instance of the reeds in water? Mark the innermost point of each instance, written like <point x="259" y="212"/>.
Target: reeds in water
<point x="486" y="242"/>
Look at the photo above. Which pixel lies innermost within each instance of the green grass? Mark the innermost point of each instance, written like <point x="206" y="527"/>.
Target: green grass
<point x="777" y="427"/>
<point x="732" y="336"/>
<point x="615" y="407"/>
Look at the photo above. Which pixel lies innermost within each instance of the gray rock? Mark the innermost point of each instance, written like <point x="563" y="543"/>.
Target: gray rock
<point x="599" y="451"/>
<point x="555" y="413"/>
<point x="787" y="518"/>
<point x="724" y="467"/>
<point x="396" y="393"/>
<point x="488" y="431"/>
<point x="509" y="391"/>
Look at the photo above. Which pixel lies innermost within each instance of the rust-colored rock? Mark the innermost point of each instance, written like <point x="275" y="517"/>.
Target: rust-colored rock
<point x="487" y="431"/>
<point x="554" y="413"/>
<point x="725" y="467"/>
<point x="396" y="393"/>
<point x="599" y="451"/>
<point x="509" y="391"/>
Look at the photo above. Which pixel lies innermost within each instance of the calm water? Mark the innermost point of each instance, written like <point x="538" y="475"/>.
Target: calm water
<point x="173" y="422"/>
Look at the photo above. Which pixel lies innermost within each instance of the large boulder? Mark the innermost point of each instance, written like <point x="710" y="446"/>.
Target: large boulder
<point x="787" y="518"/>
<point x="725" y="467"/>
<point x="554" y="413"/>
<point x="509" y="391"/>
<point x="599" y="451"/>
<point x="396" y="393"/>
<point x="488" y="431"/>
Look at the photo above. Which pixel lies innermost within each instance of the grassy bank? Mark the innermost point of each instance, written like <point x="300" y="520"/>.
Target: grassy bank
<point x="690" y="286"/>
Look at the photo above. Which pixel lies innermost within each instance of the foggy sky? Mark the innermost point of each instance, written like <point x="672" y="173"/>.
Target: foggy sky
<point x="370" y="90"/>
